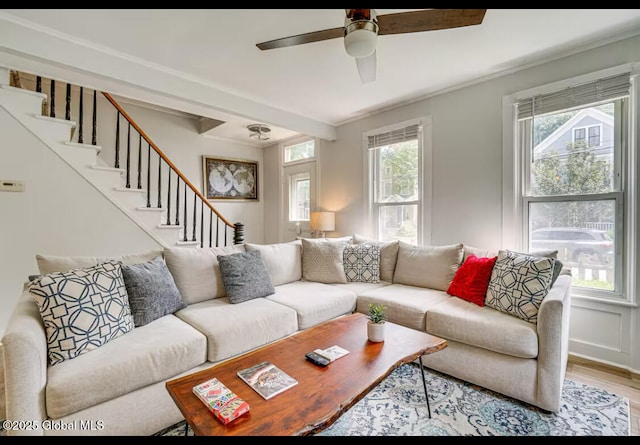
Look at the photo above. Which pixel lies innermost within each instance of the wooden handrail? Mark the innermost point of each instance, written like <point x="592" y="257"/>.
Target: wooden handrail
<point x="164" y="157"/>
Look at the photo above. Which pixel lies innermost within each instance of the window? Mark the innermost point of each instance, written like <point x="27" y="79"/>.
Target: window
<point x="299" y="195"/>
<point x="298" y="152"/>
<point x="573" y="198"/>
<point x="395" y="183"/>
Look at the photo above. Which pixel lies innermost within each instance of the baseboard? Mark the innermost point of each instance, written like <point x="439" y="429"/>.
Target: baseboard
<point x="626" y="373"/>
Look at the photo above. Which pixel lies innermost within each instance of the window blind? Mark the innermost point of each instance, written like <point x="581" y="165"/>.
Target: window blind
<point x="393" y="137"/>
<point x="607" y="88"/>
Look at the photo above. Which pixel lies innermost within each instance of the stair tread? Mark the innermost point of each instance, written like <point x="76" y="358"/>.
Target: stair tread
<point x="132" y="189"/>
<point x="77" y="144"/>
<point x="170" y="226"/>
<point x="150" y="209"/>
<point x="23" y="91"/>
<point x="107" y="169"/>
<point x="55" y="119"/>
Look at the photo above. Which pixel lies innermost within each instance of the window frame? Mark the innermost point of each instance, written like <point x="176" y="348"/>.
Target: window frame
<point x="371" y="208"/>
<point x="298" y="141"/>
<point x="514" y="223"/>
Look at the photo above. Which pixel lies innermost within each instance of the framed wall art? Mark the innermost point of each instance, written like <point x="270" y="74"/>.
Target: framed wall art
<point x="230" y="179"/>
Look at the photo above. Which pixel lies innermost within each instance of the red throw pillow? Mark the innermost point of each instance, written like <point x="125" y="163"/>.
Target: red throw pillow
<point x="472" y="279"/>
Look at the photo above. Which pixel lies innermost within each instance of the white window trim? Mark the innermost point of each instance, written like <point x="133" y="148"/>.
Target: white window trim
<point x="425" y="181"/>
<point x="513" y="183"/>
<point x="281" y="167"/>
<point x="295" y="141"/>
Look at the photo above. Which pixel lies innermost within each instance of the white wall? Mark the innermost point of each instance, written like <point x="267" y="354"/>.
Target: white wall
<point x="59" y="213"/>
<point x="467" y="180"/>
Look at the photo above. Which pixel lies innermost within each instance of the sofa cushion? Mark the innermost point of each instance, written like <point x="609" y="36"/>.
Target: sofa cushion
<point x="427" y="266"/>
<point x="245" y="276"/>
<point x="406" y="305"/>
<point x="148" y="354"/>
<point x="359" y="288"/>
<point x="472" y="279"/>
<point x="388" y="255"/>
<point x="197" y="272"/>
<point x="519" y="283"/>
<point x="314" y="302"/>
<point x="151" y="290"/>
<point x="486" y="328"/>
<point x="361" y="263"/>
<point x="478" y="252"/>
<point x="54" y="263"/>
<point x="283" y="260"/>
<point x="322" y="261"/>
<point x="233" y="329"/>
<point x="82" y="309"/>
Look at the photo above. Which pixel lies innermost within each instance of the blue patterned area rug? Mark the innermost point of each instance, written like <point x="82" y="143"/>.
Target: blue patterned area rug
<point x="397" y="407"/>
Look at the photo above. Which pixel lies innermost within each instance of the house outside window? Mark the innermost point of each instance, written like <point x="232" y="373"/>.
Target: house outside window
<point x="574" y="196"/>
<point x="395" y="159"/>
<point x="588" y="136"/>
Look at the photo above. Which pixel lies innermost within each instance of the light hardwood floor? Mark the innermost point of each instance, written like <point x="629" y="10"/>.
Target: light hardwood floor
<point x="615" y="380"/>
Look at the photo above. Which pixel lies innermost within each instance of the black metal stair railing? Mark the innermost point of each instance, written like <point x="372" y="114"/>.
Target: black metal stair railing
<point x="185" y="193"/>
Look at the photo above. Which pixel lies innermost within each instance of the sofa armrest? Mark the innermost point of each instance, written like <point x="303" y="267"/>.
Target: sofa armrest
<point x="553" y="342"/>
<point x="25" y="365"/>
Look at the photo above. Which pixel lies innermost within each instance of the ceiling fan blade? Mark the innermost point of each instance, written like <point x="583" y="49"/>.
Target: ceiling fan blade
<point x="367" y="68"/>
<point x="428" y="20"/>
<point x="301" y="39"/>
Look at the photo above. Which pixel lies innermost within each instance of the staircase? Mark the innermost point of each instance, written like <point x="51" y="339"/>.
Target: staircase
<point x="143" y="183"/>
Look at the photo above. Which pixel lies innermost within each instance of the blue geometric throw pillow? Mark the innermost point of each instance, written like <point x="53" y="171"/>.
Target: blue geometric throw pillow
<point x="82" y="309"/>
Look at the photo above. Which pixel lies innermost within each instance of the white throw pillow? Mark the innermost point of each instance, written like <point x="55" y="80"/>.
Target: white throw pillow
<point x="432" y="267"/>
<point x="197" y="271"/>
<point x="322" y="261"/>
<point x="283" y="260"/>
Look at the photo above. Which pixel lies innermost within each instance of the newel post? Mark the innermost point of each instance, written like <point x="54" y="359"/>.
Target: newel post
<point x="238" y="233"/>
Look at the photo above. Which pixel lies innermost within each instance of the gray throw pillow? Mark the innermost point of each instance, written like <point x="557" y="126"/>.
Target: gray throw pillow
<point x="245" y="276"/>
<point x="152" y="291"/>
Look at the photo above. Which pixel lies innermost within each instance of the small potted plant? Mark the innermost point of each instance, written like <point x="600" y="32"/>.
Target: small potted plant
<point x="377" y="315"/>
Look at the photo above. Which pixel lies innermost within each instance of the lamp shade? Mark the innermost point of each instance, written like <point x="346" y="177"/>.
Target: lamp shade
<point x="323" y="221"/>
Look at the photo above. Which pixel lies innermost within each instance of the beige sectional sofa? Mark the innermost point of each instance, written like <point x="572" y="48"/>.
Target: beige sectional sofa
<point x="119" y="388"/>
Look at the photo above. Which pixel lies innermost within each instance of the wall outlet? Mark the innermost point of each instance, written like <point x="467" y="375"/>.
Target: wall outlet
<point x="7" y="185"/>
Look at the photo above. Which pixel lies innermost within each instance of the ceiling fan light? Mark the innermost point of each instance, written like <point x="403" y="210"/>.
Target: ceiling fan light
<point x="260" y="132"/>
<point x="361" y="38"/>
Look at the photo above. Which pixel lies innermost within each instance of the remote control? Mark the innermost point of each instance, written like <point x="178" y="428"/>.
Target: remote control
<point x="317" y="359"/>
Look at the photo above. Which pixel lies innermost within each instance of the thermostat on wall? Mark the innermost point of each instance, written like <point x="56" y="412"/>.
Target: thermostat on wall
<point x="7" y="185"/>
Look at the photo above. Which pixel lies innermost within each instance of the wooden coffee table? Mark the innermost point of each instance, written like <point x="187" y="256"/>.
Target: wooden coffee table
<point x="322" y="395"/>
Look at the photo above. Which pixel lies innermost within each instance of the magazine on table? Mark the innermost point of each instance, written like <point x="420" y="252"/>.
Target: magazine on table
<point x="333" y="353"/>
<point x="267" y="379"/>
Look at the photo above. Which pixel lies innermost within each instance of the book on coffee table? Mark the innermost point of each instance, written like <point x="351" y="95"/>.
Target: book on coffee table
<point x="267" y="379"/>
<point x="220" y="400"/>
<point x="333" y="353"/>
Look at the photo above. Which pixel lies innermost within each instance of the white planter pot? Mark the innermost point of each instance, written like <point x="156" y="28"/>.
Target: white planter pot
<point x="375" y="332"/>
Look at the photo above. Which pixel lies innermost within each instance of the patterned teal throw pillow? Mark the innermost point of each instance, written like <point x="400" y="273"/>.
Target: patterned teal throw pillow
<point x="362" y="263"/>
<point x="82" y="309"/>
<point x="519" y="283"/>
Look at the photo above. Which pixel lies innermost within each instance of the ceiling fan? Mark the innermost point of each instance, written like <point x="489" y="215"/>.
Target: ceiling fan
<point x="363" y="26"/>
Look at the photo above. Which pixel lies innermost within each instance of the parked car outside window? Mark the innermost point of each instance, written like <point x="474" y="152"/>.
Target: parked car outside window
<point x="584" y="246"/>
